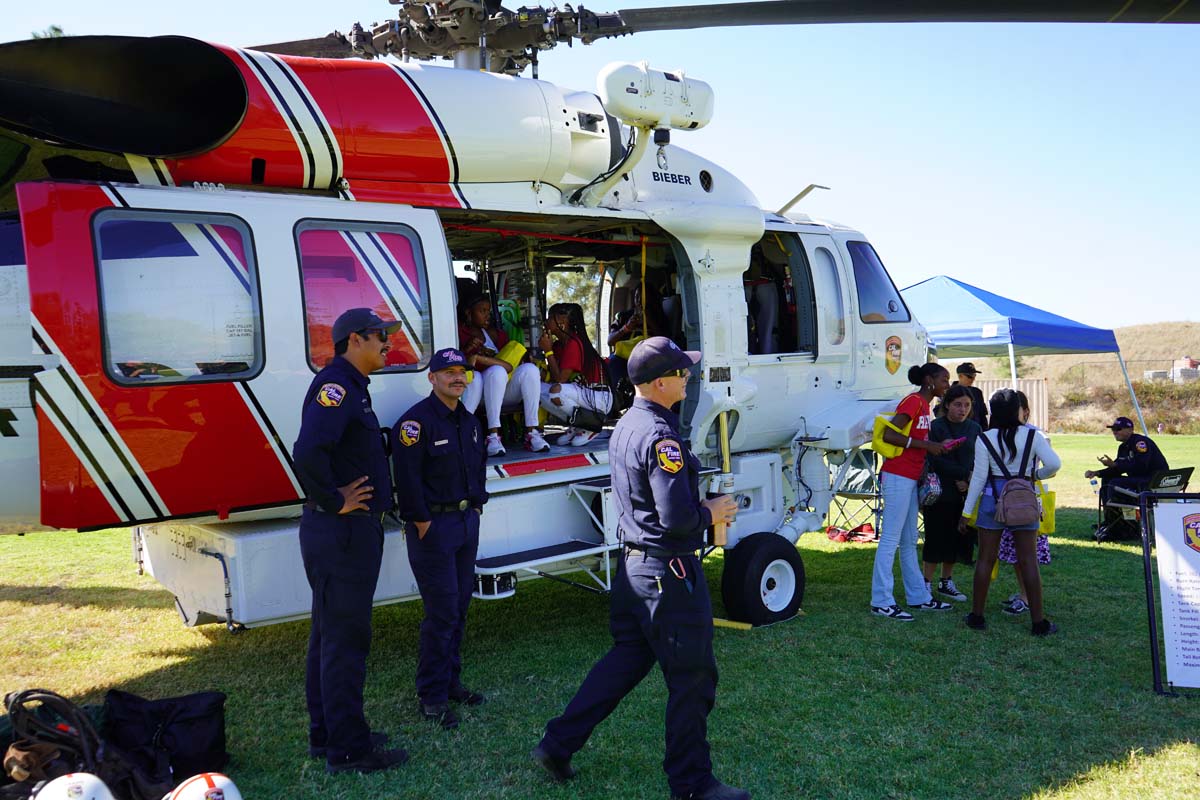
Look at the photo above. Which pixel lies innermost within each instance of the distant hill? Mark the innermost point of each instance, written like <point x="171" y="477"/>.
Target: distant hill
<point x="1087" y="391"/>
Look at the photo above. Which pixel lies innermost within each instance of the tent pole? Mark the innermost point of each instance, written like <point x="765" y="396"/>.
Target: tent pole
<point x="1012" y="364"/>
<point x="1137" y="408"/>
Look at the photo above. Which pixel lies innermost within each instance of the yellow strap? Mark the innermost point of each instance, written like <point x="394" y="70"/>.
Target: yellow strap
<point x="645" y="332"/>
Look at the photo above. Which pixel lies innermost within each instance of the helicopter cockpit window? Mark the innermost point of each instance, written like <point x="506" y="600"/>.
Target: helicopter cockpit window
<point x="351" y="265"/>
<point x="178" y="297"/>
<point x="781" y="313"/>
<point x="878" y="299"/>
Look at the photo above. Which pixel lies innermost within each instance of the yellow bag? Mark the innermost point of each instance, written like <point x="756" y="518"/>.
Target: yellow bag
<point x="882" y="423"/>
<point x="973" y="517"/>
<point x="1049" y="501"/>
<point x="512" y="352"/>
<point x="623" y="348"/>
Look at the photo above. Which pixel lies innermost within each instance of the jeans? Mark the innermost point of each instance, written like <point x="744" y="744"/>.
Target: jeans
<point x="899" y="532"/>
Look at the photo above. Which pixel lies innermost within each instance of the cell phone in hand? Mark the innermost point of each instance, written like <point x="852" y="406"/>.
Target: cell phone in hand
<point x="950" y="444"/>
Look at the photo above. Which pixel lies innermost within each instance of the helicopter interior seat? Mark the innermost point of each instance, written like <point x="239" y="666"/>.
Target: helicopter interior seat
<point x="672" y="307"/>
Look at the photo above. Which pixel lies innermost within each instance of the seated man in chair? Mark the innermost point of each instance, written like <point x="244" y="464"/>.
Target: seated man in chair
<point x="1138" y="458"/>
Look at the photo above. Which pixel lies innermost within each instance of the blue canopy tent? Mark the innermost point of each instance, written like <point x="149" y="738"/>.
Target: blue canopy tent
<point x="965" y="321"/>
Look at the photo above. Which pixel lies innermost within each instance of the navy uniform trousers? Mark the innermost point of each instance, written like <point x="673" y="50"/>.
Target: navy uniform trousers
<point x="342" y="555"/>
<point x="671" y="626"/>
<point x="444" y="565"/>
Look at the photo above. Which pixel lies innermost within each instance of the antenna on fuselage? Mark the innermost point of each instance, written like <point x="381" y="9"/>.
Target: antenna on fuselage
<point x="807" y="190"/>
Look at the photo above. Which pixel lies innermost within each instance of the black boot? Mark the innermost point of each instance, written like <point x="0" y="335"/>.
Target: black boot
<point x="442" y="714"/>
<point x="718" y="791"/>
<point x="559" y="769"/>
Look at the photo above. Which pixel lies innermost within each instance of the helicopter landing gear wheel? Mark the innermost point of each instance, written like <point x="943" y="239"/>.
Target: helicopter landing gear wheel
<point x="763" y="579"/>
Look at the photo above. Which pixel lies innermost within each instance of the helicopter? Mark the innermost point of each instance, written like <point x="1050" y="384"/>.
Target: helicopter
<point x="183" y="221"/>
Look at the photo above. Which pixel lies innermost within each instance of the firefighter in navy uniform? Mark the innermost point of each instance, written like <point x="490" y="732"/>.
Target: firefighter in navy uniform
<point x="440" y="461"/>
<point x="341" y="463"/>
<point x="1138" y="458"/>
<point x="660" y="609"/>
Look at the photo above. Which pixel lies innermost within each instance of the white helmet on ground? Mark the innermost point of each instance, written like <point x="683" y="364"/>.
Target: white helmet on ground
<point x="206" y="786"/>
<point x="75" y="786"/>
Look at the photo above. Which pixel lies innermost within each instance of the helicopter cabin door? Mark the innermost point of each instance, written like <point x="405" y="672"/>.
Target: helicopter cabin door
<point x="185" y="341"/>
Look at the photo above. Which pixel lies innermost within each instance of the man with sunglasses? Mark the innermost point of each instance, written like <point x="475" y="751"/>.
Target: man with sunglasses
<point x="659" y="610"/>
<point x="341" y="463"/>
<point x="441" y="470"/>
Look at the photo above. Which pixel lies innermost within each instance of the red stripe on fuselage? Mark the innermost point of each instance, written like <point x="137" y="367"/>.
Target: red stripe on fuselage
<point x="199" y="444"/>
<point x="551" y="464"/>
<point x="262" y="134"/>
<point x="68" y="491"/>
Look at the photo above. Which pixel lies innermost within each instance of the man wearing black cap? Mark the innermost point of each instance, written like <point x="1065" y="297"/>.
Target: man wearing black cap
<point x="1138" y="458"/>
<point x="660" y="610"/>
<point x="440" y="466"/>
<point x="966" y="379"/>
<point x="341" y="463"/>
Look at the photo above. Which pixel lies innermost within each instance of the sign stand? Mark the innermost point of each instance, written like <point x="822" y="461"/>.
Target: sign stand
<point x="1186" y="595"/>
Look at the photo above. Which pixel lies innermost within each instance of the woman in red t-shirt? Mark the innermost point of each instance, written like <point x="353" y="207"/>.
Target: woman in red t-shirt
<point x="899" y="487"/>
<point x="576" y="370"/>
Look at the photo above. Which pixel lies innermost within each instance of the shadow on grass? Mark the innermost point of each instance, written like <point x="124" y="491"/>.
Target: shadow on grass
<point x="835" y="703"/>
<point x="80" y="597"/>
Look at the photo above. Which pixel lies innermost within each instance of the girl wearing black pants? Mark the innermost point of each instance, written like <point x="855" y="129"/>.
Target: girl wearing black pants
<point x="953" y="468"/>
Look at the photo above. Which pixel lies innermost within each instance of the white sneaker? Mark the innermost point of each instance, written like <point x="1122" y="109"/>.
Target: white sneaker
<point x="534" y="442"/>
<point x="583" y="437"/>
<point x="494" y="446"/>
<point x="565" y="439"/>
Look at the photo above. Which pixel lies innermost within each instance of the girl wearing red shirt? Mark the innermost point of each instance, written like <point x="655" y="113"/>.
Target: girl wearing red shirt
<point x="899" y="487"/>
<point x="575" y="370"/>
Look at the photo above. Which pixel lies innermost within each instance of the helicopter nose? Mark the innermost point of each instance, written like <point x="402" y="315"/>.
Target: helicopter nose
<point x="159" y="97"/>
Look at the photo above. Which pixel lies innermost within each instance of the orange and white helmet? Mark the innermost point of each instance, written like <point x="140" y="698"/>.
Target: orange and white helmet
<point x="75" y="786"/>
<point x="206" y="786"/>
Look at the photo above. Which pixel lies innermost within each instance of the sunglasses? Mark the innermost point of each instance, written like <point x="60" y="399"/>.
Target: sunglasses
<point x="366" y="333"/>
<point x="677" y="373"/>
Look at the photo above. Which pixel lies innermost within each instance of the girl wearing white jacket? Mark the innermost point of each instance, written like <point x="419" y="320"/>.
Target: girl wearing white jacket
<point x="1008" y="437"/>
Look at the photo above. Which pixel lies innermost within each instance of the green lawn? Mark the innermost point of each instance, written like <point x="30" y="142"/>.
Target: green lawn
<point x="833" y="704"/>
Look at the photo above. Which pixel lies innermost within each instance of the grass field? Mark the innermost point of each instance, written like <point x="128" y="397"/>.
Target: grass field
<point x="833" y="704"/>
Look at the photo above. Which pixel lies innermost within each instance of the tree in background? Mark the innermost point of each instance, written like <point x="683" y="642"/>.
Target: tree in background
<point x="582" y="287"/>
<point x="53" y="32"/>
<point x="1002" y="369"/>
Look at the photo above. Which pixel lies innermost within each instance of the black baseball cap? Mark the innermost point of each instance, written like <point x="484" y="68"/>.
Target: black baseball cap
<point x="966" y="368"/>
<point x="446" y="358"/>
<point x="654" y="357"/>
<point x="1120" y="423"/>
<point x="360" y="319"/>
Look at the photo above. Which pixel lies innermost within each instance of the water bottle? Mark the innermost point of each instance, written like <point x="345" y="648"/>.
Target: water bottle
<point x="1095" y="486"/>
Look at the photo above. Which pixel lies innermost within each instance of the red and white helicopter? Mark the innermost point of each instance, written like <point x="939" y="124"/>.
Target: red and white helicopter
<point x="168" y="280"/>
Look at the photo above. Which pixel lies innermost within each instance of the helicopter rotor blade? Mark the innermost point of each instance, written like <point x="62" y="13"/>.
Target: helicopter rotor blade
<point x="806" y="12"/>
<point x="332" y="45"/>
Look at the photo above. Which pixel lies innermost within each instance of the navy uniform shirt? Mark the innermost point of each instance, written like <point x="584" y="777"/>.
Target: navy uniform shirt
<point x="439" y="457"/>
<point x="656" y="481"/>
<point x="340" y="440"/>
<point x="1138" y="457"/>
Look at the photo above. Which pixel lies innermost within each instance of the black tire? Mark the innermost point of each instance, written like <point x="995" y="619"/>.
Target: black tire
<point x="763" y="579"/>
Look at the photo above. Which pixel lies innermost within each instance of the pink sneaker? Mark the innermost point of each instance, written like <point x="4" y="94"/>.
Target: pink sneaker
<point x="535" y="443"/>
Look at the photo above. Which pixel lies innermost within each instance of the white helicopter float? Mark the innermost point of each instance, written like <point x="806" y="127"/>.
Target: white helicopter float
<point x="181" y="222"/>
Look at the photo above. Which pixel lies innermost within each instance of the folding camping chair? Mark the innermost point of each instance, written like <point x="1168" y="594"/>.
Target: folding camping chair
<point x="1167" y="481"/>
<point x="857" y="499"/>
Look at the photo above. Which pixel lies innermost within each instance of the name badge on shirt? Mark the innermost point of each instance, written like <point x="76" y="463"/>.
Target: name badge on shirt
<point x="441" y="441"/>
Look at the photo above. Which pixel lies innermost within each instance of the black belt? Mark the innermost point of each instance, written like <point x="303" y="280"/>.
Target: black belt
<point x="449" y="508"/>
<point x="658" y="552"/>
<point x="358" y="512"/>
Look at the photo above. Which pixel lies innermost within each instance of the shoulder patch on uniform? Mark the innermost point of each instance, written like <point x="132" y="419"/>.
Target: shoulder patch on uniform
<point x="410" y="432"/>
<point x="670" y="455"/>
<point x="1141" y="446"/>
<point x="331" y="395"/>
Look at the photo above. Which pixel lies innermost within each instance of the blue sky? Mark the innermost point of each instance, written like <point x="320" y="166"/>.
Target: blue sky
<point x="1055" y="164"/>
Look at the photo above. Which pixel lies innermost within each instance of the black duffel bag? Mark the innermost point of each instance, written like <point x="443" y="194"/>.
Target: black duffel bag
<point x="174" y="738"/>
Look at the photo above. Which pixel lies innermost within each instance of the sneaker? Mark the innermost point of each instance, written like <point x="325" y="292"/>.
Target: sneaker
<point x="535" y="443"/>
<point x="495" y="447"/>
<point x="442" y="714"/>
<point x="378" y="739"/>
<point x="564" y="440"/>
<point x="946" y="588"/>
<point x="1011" y="599"/>
<point x="583" y="437"/>
<point x="559" y="769"/>
<point x="975" y="622"/>
<point x="1015" y="608"/>
<point x="374" y="760"/>
<point x="718" y="791"/>
<point x="464" y="696"/>
<point x="894" y="612"/>
<point x="1044" y="628"/>
<point x="933" y="605"/>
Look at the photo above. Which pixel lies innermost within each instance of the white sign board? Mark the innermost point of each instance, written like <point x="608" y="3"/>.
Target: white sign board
<point x="1177" y="538"/>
